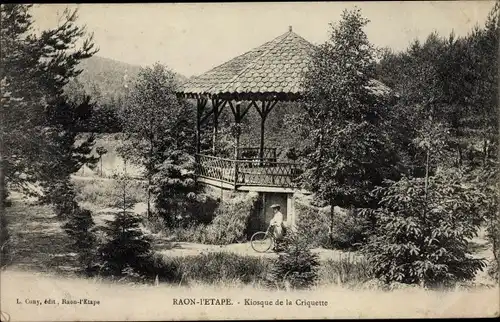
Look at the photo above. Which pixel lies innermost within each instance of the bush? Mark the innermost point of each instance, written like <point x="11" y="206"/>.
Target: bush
<point x="155" y="266"/>
<point x="220" y="266"/>
<point x="314" y="222"/>
<point x="350" y="228"/>
<point x="4" y="241"/>
<point x="192" y="234"/>
<point x="422" y="238"/>
<point x="297" y="267"/>
<point x="202" y="209"/>
<point x="231" y="220"/>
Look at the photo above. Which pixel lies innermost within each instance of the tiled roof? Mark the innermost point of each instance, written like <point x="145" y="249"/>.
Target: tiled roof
<point x="275" y="67"/>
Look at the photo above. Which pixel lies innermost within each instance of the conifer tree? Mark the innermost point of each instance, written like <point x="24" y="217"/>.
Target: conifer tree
<point x="38" y="123"/>
<point x="126" y="245"/>
<point x="81" y="229"/>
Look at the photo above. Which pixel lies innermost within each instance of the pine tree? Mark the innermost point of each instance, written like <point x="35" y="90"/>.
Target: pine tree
<point x="38" y="123"/>
<point x="80" y="229"/>
<point x="126" y="244"/>
<point x="296" y="266"/>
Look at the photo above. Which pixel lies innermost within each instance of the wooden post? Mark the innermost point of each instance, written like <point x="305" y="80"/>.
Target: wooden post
<point x="216" y="126"/>
<point x="262" y="133"/>
<point x="198" y="125"/>
<point x="217" y="107"/>
<point x="237" y="119"/>
<point x="265" y="108"/>
<point x="200" y="107"/>
<point x="238" y="116"/>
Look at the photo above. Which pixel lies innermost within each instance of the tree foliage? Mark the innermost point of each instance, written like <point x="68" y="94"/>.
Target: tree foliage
<point x="352" y="149"/>
<point x="425" y="221"/>
<point x="422" y="231"/>
<point x="39" y="123"/>
<point x="161" y="137"/>
<point x="297" y="266"/>
<point x="126" y="244"/>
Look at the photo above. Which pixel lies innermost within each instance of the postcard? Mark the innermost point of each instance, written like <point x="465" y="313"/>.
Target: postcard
<point x="247" y="161"/>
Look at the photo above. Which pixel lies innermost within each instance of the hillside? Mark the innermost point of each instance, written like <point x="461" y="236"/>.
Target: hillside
<point x="107" y="78"/>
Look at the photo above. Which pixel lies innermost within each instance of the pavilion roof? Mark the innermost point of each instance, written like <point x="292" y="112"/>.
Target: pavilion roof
<point x="276" y="68"/>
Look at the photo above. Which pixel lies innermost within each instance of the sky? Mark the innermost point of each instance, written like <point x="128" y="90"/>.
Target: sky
<point x="192" y="38"/>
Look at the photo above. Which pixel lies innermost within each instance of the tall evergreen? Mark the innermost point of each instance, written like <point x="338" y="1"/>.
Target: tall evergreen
<point x="38" y="123"/>
<point x="126" y="244"/>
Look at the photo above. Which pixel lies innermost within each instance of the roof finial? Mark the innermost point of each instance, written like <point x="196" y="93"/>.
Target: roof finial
<point x="290" y="28"/>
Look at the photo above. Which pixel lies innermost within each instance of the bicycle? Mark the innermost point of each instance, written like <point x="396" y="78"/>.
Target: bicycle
<point x="262" y="241"/>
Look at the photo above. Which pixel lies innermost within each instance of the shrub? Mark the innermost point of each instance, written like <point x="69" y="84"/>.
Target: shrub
<point x="314" y="222"/>
<point x="4" y="241"/>
<point x="202" y="209"/>
<point x="231" y="220"/>
<point x="215" y="267"/>
<point x="297" y="266"/>
<point x="154" y="223"/>
<point x="193" y="233"/>
<point x="421" y="238"/>
<point x="350" y="227"/>
<point x="489" y="183"/>
<point x="155" y="266"/>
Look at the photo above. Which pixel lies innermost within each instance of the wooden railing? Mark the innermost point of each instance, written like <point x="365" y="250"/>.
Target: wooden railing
<point x="248" y="172"/>
<point x="215" y="168"/>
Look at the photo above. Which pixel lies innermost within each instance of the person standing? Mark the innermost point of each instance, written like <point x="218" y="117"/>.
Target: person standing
<point x="277" y="222"/>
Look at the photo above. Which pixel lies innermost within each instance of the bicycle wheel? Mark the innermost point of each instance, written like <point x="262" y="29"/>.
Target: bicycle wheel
<point x="261" y="242"/>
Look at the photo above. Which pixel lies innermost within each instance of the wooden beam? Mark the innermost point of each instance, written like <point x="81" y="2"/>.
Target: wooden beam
<point x="218" y="105"/>
<point x="263" y="117"/>
<point x="207" y="115"/>
<point x="232" y="108"/>
<point x="259" y="110"/>
<point x="215" y="107"/>
<point x="247" y="109"/>
<point x="271" y="106"/>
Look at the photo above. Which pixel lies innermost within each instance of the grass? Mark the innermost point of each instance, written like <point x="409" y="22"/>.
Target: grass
<point x="98" y="193"/>
<point x="37" y="240"/>
<point x="346" y="270"/>
<point x="216" y="268"/>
